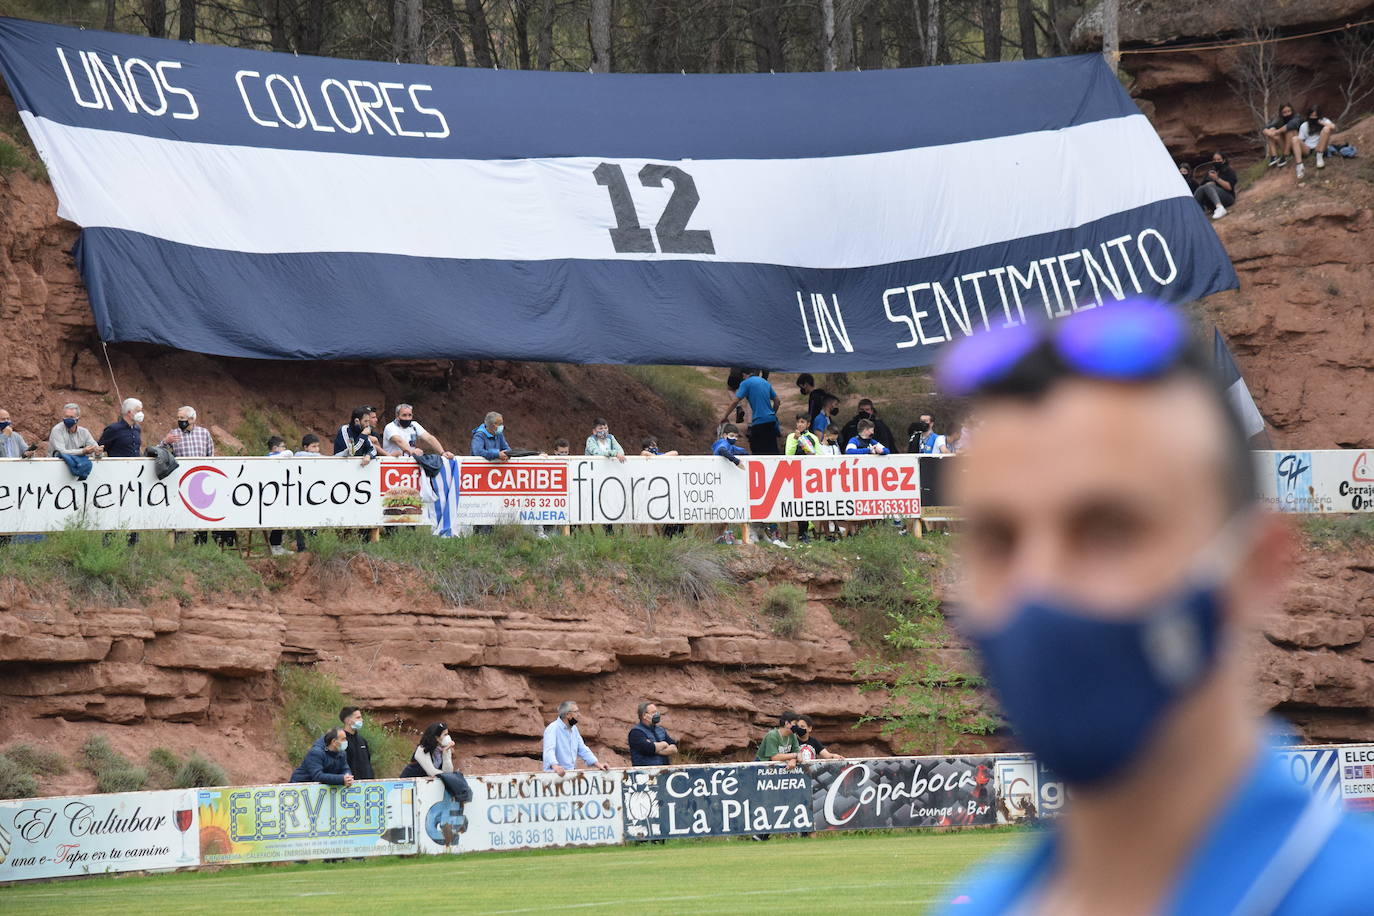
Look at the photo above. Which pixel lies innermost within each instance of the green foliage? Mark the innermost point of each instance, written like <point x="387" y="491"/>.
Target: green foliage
<point x="113" y="771"/>
<point x="36" y="760"/>
<point x="929" y="702"/>
<point x="105" y="568"/>
<point x="929" y="699"/>
<point x="511" y="561"/>
<point x="887" y="573"/>
<point x="786" y="606"/>
<point x="681" y="387"/>
<point x="1353" y="530"/>
<point x="311" y="700"/>
<point x="196" y="771"/>
<point x="258" y="425"/>
<point x="16" y="781"/>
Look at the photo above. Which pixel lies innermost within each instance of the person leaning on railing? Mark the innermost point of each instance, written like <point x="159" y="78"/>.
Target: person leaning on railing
<point x="68" y="438"/>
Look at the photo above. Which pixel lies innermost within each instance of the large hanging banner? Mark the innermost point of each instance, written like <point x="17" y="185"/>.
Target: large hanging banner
<point x="252" y="204"/>
<point x="94" y="834"/>
<point x="521" y="811"/>
<point x="307" y="820"/>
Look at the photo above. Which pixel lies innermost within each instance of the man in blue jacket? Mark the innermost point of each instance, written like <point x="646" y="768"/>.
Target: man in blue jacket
<point x="489" y="439"/>
<point x="1113" y="586"/>
<point x="650" y="744"/>
<point x="326" y="761"/>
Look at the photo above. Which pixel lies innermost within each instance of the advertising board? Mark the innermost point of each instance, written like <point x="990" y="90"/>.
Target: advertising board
<point x="902" y="792"/>
<point x="521" y="811"/>
<point x="843" y="487"/>
<point x="93" y="834"/>
<point x="729" y="800"/>
<point x="1335" y="480"/>
<point x="306" y="820"/>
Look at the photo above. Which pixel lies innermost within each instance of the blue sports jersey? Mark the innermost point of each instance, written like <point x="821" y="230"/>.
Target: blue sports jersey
<point x="760" y="394"/>
<point x="1273" y="848"/>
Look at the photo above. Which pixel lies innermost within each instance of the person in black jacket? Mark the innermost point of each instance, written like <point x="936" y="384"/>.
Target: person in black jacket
<point x="650" y="743"/>
<point x="326" y="761"/>
<point x="358" y="753"/>
<point x="881" y="432"/>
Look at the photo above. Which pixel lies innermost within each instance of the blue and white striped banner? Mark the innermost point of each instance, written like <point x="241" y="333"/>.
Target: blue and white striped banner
<point x="263" y="205"/>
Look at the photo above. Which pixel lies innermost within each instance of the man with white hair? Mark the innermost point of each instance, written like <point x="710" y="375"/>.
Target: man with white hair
<point x="124" y="437"/>
<point x="189" y="440"/>
<point x="67" y="437"/>
<point x="405" y="436"/>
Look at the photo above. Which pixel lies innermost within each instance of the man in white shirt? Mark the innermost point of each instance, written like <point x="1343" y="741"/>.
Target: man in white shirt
<point x="403" y="436"/>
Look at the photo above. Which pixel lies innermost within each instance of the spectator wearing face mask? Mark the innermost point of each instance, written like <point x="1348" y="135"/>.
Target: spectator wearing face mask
<point x="12" y="445"/>
<point x="69" y="438"/>
<point x="727" y="446"/>
<point x="650" y="744"/>
<point x="830" y="442"/>
<point x="825" y="418"/>
<point x="864" y="442"/>
<point x="809" y="740"/>
<point x="358" y="753"/>
<point x="489" y="439"/>
<point x="124" y="437"/>
<point x="563" y="744"/>
<point x="916" y="434"/>
<point x="405" y="436"/>
<point x="326" y="761"/>
<point x="880" y="429"/>
<point x="561" y="448"/>
<point x="649" y="449"/>
<point x="601" y="444"/>
<point x="189" y="439"/>
<point x="433" y="757"/>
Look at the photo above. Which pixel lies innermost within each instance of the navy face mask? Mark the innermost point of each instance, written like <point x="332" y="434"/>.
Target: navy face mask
<point x="1083" y="692"/>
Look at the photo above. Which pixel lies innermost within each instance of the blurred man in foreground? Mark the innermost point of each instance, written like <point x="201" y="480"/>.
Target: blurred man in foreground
<point x="1111" y="582"/>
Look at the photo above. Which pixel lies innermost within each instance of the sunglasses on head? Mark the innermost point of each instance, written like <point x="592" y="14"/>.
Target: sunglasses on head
<point x="1132" y="341"/>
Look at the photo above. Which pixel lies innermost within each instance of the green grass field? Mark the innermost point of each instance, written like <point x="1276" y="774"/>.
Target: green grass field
<point x="847" y="873"/>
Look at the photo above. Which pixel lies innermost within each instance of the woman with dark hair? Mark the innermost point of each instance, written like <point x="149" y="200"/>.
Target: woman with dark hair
<point x="1314" y="135"/>
<point x="434" y="757"/>
<point x="1218" y="188"/>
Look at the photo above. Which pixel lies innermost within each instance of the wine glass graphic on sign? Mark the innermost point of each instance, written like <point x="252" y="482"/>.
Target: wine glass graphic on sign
<point x="183" y="821"/>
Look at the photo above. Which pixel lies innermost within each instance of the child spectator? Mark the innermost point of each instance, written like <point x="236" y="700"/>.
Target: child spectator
<point x="649" y="449"/>
<point x="802" y="441"/>
<point x="727" y="446"/>
<point x="825" y="417"/>
<point x="602" y="444"/>
<point x="830" y="442"/>
<point x="864" y="443"/>
<point x="561" y="447"/>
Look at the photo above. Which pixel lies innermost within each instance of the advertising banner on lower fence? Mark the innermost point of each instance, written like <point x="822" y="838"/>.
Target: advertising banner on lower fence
<point x="306" y="820"/>
<point x="827" y="487"/>
<point x="902" y="792"/>
<point x="728" y="800"/>
<point x="657" y="491"/>
<point x="94" y="834"/>
<point x="1356" y="776"/>
<point x="1335" y="480"/>
<point x="40" y="495"/>
<point x="1026" y="791"/>
<point x="521" y="811"/>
